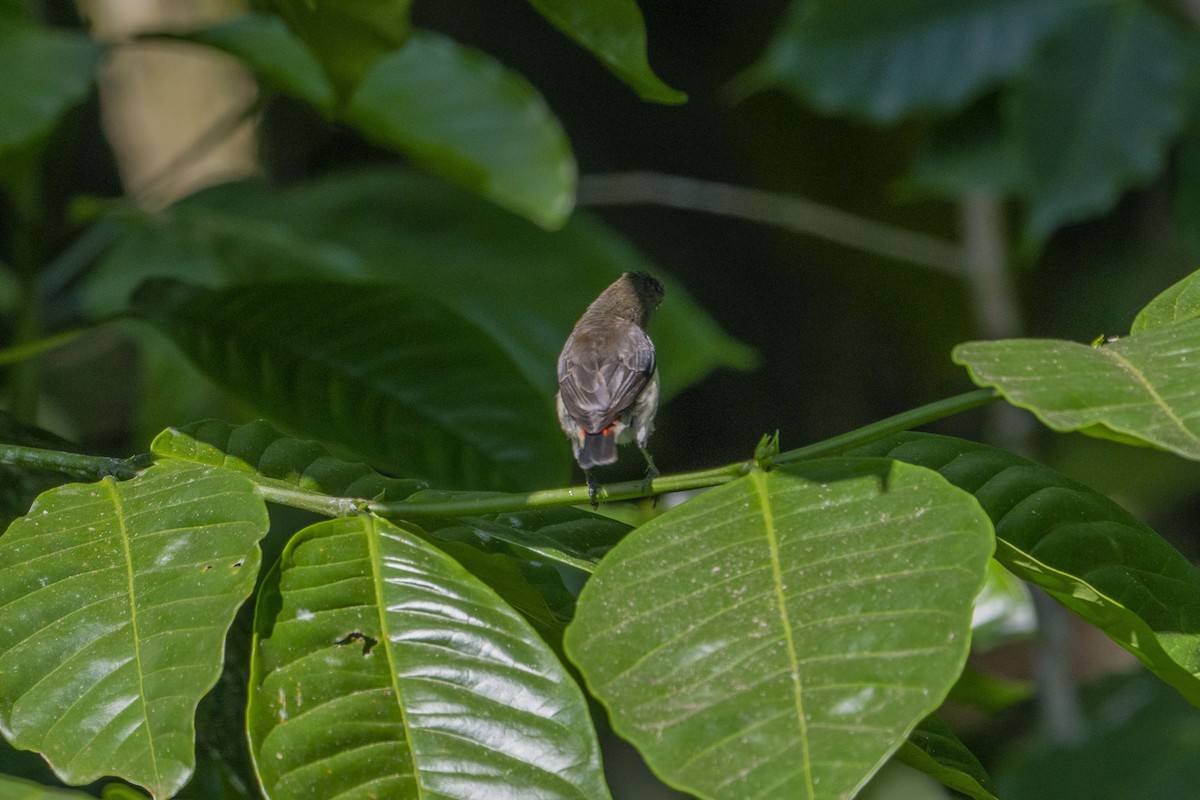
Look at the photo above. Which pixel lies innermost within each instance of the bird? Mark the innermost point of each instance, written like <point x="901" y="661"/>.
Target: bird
<point x="608" y="376"/>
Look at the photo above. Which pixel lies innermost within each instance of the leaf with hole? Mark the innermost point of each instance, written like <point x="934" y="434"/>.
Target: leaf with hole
<point x="114" y="603"/>
<point x="780" y="636"/>
<point x="383" y="668"/>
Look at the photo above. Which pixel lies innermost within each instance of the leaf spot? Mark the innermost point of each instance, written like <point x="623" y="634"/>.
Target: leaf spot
<point x="369" y="642"/>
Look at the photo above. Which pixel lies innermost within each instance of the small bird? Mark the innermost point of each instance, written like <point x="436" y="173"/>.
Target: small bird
<point x="608" y="378"/>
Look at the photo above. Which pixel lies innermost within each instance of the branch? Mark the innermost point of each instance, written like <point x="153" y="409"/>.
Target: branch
<point x="789" y="212"/>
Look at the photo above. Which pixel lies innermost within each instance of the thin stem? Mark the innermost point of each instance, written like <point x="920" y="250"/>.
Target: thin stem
<point x="469" y="504"/>
<point x="903" y="421"/>
<point x="75" y="464"/>
<point x="789" y="212"/>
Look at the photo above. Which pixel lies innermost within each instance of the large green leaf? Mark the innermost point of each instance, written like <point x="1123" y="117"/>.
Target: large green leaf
<point x="883" y="59"/>
<point x="46" y="73"/>
<point x="1098" y="109"/>
<point x="781" y="635"/>
<point x="1177" y="303"/>
<point x="390" y="374"/>
<point x="1139" y="389"/>
<point x="114" y="603"/>
<point x="614" y="31"/>
<point x="463" y="115"/>
<point x="383" y="669"/>
<point x="524" y="286"/>
<point x="1082" y="548"/>
<point x="280" y="59"/>
<point x="348" y="36"/>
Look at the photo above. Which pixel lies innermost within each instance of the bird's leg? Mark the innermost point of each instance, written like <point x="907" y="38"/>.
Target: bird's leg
<point x="651" y="471"/>
<point x="593" y="487"/>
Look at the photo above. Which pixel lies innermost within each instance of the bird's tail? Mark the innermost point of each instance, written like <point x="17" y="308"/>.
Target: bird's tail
<point x="597" y="449"/>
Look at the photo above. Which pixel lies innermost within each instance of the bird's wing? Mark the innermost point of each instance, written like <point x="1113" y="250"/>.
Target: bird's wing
<point x="595" y="387"/>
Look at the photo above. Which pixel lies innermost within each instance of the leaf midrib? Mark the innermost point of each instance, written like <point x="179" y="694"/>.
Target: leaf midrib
<point x="758" y="480"/>
<point x="127" y="549"/>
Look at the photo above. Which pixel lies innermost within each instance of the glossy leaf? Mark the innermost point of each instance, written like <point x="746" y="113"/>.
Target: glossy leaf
<point x="781" y="635"/>
<point x="524" y="286"/>
<point x="614" y="31"/>
<point x="1139" y="389"/>
<point x="935" y="750"/>
<point x="281" y="60"/>
<point x="260" y="449"/>
<point x="462" y="115"/>
<point x="383" y="669"/>
<point x="1178" y="303"/>
<point x="1098" y="110"/>
<point x="391" y="374"/>
<point x="46" y="73"/>
<point x="114" y="603"/>
<point x="1080" y="547"/>
<point x="882" y="60"/>
<point x="348" y="36"/>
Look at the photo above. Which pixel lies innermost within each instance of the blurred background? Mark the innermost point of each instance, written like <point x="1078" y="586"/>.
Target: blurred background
<point x="850" y="243"/>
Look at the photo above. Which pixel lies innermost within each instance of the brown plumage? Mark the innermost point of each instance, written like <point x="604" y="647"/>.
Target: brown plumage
<point x="608" y="376"/>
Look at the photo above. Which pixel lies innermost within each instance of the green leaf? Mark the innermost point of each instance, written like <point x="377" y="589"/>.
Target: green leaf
<point x="281" y="60"/>
<point x="1082" y="548"/>
<point x="1098" y="109"/>
<point x="882" y="59"/>
<point x="524" y="286"/>
<point x="462" y="115"/>
<point x="935" y="750"/>
<point x="114" y="603"/>
<point x="1178" y="303"/>
<point x="390" y="374"/>
<point x="781" y="635"/>
<point x="19" y="789"/>
<point x="46" y="73"/>
<point x="348" y="36"/>
<point x="382" y="668"/>
<point x="260" y="449"/>
<point x="1140" y="389"/>
<point x="613" y="31"/>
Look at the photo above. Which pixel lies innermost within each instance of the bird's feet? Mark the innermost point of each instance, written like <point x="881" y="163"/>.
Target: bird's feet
<point x="648" y="483"/>
<point x="593" y="487"/>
